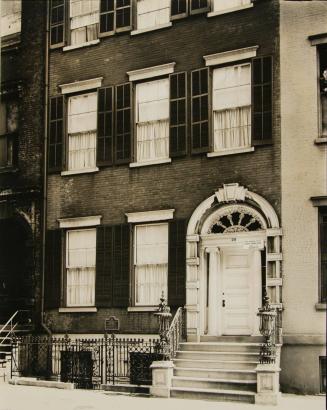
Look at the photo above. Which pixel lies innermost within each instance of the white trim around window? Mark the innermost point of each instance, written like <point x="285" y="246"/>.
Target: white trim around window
<point x="151" y="72"/>
<point x="81" y="222"/>
<point x="79" y="86"/>
<point x="245" y="4"/>
<point x="150" y="216"/>
<point x="230" y="56"/>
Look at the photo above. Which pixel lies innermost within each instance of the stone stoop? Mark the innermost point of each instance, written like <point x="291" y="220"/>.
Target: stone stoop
<point x="217" y="370"/>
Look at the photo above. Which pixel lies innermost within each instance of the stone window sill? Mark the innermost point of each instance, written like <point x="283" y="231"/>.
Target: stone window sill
<point x="80" y="171"/>
<point x="231" y="10"/>
<point x="321" y="306"/>
<point x="145" y="30"/>
<point x="142" y="309"/>
<point x="230" y="152"/>
<point x="321" y="140"/>
<point x="153" y="162"/>
<point x="82" y="309"/>
<point x="89" y="43"/>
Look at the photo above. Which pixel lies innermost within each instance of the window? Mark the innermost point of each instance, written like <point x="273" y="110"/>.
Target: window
<point x="82" y="125"/>
<point x="8" y="129"/>
<point x="222" y="5"/>
<point x="322" y="366"/>
<point x="80" y="267"/>
<point x="323" y="253"/>
<point x="232" y="107"/>
<point x="323" y="87"/>
<point x="10" y="17"/>
<point x="84" y="19"/>
<point x="150" y="263"/>
<point x="152" y="13"/>
<point x="180" y="8"/>
<point x="152" y="120"/>
<point x="115" y="15"/>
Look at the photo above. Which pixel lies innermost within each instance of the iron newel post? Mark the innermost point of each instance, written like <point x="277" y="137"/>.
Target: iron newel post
<point x="164" y="316"/>
<point x="267" y="315"/>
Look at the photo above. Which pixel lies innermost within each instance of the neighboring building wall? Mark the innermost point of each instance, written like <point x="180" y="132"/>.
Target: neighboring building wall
<point x="187" y="181"/>
<point x="303" y="171"/>
<point x="22" y="68"/>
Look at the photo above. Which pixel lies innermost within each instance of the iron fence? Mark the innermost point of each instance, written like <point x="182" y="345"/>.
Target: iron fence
<point x="87" y="363"/>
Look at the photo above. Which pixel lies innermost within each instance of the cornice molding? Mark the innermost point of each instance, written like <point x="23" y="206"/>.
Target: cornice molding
<point x="231" y="56"/>
<point x="78" y="86"/>
<point x="150" y="72"/>
<point x="150" y="216"/>
<point x="81" y="222"/>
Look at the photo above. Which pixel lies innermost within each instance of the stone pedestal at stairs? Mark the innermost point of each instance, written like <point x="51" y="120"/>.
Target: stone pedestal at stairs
<point x="162" y="374"/>
<point x="267" y="384"/>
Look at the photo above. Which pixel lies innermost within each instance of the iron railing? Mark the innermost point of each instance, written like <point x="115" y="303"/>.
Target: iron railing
<point x="87" y="363"/>
<point x="177" y="331"/>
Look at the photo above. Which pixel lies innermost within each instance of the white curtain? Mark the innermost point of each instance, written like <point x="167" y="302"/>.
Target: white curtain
<point x="220" y="5"/>
<point x="232" y="107"/>
<point x="152" y="13"/>
<point x="80" y="264"/>
<point x="84" y="19"/>
<point x="151" y="263"/>
<point x="10" y="17"/>
<point x="82" y="123"/>
<point x="152" y="119"/>
<point x="150" y="282"/>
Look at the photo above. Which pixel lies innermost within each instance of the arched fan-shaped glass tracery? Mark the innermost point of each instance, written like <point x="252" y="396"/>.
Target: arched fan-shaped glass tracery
<point x="236" y="219"/>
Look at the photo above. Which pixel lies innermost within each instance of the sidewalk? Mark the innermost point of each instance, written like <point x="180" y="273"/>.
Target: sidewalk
<point x="38" y="398"/>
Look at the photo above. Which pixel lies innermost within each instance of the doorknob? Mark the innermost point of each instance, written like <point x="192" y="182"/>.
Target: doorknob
<point x="223" y="302"/>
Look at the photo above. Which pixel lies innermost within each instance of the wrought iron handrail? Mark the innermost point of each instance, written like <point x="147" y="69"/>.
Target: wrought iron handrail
<point x="11" y="324"/>
<point x="176" y="332"/>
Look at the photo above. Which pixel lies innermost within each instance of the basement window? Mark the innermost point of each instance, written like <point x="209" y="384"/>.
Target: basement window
<point x="322" y="368"/>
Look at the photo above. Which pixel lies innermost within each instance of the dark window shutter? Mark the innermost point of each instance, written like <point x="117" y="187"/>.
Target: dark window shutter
<point x="199" y="6"/>
<point x="123" y="123"/>
<point x="323" y="259"/>
<point x="200" y="110"/>
<point x="261" y="100"/>
<point x="121" y="243"/>
<point x="115" y="15"/>
<point x="104" y="266"/>
<point x="178" y="7"/>
<point x="105" y="126"/>
<point x="56" y="133"/>
<point x="57" y="23"/>
<point x="178" y="106"/>
<point x="52" y="277"/>
<point x="177" y="262"/>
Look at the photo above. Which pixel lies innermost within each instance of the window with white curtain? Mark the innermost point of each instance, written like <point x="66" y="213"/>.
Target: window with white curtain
<point x="150" y="263"/>
<point x="222" y="5"/>
<point x="84" y="21"/>
<point x="152" y="13"/>
<point x="82" y="125"/>
<point x="80" y="267"/>
<point x="11" y="17"/>
<point x="232" y="107"/>
<point x="152" y="120"/>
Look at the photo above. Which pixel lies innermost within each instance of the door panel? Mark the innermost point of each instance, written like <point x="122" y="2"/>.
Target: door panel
<point x="237" y="292"/>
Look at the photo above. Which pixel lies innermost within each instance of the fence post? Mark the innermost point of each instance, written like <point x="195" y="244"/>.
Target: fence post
<point x="268" y="370"/>
<point x="162" y="371"/>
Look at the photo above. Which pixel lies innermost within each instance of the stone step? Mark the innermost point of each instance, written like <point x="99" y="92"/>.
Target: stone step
<point x="216" y="364"/>
<point x="222" y="355"/>
<point x="226" y="374"/>
<point x="235" y="339"/>
<point x="210" y="394"/>
<point x="217" y="384"/>
<point x="220" y="347"/>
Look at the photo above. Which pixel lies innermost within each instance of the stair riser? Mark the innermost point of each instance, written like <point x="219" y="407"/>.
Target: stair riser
<point x="199" y="384"/>
<point x="212" y="396"/>
<point x="244" y="357"/>
<point x="233" y="339"/>
<point x="215" y="365"/>
<point x="215" y="375"/>
<point x="203" y="347"/>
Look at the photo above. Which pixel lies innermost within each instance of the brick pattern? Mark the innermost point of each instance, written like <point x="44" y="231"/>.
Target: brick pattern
<point x="187" y="181"/>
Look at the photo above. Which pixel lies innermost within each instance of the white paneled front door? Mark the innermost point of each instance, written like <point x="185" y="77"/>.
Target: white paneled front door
<point x="240" y="271"/>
